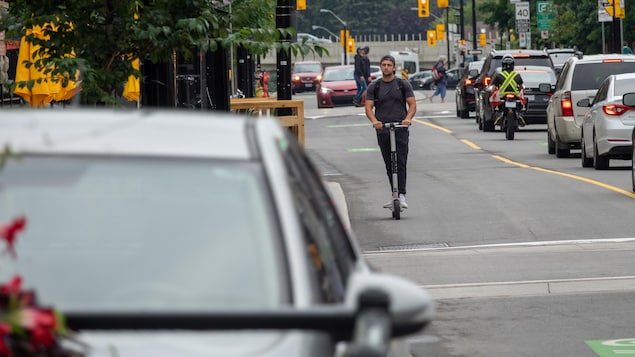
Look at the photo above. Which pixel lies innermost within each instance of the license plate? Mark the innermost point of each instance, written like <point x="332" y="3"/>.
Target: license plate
<point x="510" y="105"/>
<point x="309" y="85"/>
<point x="530" y="97"/>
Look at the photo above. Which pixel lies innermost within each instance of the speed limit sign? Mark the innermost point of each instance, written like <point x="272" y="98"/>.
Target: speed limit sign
<point x="522" y="11"/>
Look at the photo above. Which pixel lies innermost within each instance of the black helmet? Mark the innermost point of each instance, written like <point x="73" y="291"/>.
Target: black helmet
<point x="508" y="63"/>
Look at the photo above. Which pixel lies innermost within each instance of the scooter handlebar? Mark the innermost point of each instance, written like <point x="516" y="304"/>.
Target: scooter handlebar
<point x="394" y="125"/>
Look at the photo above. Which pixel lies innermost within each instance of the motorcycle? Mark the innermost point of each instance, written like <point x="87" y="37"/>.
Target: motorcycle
<point x="509" y="114"/>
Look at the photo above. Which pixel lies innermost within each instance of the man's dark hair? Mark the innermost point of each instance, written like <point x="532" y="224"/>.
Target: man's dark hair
<point x="388" y="58"/>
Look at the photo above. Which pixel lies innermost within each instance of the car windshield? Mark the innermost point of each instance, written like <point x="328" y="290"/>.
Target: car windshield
<point x="591" y="75"/>
<point x="532" y="78"/>
<point x="560" y="58"/>
<point x="308" y="68"/>
<point x="143" y="235"/>
<point x="338" y="75"/>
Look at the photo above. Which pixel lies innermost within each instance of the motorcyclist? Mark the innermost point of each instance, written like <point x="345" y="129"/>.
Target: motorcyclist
<point x="508" y="81"/>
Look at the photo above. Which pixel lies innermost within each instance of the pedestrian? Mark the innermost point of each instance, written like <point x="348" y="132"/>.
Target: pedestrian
<point x="626" y="49"/>
<point x="440" y="79"/>
<point x="366" y="66"/>
<point x="360" y="78"/>
<point x="391" y="99"/>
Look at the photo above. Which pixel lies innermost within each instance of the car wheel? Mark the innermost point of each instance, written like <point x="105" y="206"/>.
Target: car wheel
<point x="586" y="161"/>
<point x="464" y="114"/>
<point x="488" y="125"/>
<point x="599" y="162"/>
<point x="560" y="153"/>
<point x="433" y="86"/>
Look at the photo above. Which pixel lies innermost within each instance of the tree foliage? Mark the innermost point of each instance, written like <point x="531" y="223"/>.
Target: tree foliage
<point x="105" y="35"/>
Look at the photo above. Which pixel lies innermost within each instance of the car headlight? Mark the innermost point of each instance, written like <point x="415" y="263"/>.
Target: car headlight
<point x="325" y="90"/>
<point x="296" y="78"/>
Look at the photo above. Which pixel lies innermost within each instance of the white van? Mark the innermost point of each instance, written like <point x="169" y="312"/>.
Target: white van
<point x="407" y="63"/>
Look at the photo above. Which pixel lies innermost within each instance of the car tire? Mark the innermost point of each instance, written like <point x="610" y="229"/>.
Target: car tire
<point x="433" y="86"/>
<point x="464" y="114"/>
<point x="586" y="161"/>
<point x="551" y="145"/>
<point x="561" y="153"/>
<point x="488" y="125"/>
<point x="599" y="162"/>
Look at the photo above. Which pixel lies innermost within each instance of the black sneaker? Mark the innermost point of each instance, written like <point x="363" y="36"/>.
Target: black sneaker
<point x="356" y="103"/>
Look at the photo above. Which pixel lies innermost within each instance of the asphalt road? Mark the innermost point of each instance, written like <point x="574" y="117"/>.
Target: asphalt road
<point x="525" y="254"/>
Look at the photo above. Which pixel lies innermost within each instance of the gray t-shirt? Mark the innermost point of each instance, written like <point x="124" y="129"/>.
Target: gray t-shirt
<point x="390" y="104"/>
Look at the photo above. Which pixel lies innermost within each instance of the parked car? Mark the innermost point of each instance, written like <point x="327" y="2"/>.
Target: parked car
<point x="305" y="75"/>
<point x="484" y="113"/>
<point x="560" y="55"/>
<point x="375" y="72"/>
<point x="312" y="38"/>
<point x="580" y="78"/>
<point x="417" y="79"/>
<point x="453" y="76"/>
<point x="171" y="230"/>
<point x="337" y="87"/>
<point x="465" y="102"/>
<point x="608" y="124"/>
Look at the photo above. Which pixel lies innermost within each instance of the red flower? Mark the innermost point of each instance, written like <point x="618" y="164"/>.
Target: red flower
<point x="13" y="287"/>
<point x="9" y="233"/>
<point x="41" y="323"/>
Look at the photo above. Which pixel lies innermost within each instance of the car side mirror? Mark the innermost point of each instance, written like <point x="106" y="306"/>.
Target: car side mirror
<point x="410" y="306"/>
<point x="583" y="103"/>
<point x="544" y="87"/>
<point x="629" y="99"/>
<point x="473" y="73"/>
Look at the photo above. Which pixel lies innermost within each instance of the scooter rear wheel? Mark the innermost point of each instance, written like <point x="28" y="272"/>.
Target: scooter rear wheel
<point x="396" y="209"/>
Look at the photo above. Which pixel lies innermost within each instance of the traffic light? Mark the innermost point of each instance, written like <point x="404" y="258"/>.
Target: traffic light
<point x="424" y="8"/>
<point x="344" y="36"/>
<point x="350" y="46"/>
<point x="440" y="32"/>
<point x="300" y="5"/>
<point x="442" y="3"/>
<point x="432" y="38"/>
<point x="482" y="39"/>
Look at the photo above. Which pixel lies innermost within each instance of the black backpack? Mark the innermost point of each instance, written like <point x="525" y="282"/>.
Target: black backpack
<point x="402" y="88"/>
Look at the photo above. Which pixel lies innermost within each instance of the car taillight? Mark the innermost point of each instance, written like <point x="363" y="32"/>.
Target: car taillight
<point x="469" y="82"/>
<point x="565" y="104"/>
<point x="615" y="109"/>
<point x="486" y="80"/>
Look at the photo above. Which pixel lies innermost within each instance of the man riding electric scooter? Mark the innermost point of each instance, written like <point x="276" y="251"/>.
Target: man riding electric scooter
<point x="393" y="101"/>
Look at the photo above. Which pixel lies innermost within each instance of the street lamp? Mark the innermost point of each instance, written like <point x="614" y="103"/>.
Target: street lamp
<point x="314" y="27"/>
<point x="345" y="28"/>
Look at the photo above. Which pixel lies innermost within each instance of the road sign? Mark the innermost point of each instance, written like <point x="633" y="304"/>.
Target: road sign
<point x="545" y="15"/>
<point x="613" y="348"/>
<point x="522" y="26"/>
<point x="475" y="52"/>
<point x="522" y="11"/>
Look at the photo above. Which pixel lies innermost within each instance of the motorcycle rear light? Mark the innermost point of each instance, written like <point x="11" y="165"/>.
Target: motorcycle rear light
<point x="615" y="109"/>
<point x="486" y="80"/>
<point x="509" y="96"/>
<point x="565" y="104"/>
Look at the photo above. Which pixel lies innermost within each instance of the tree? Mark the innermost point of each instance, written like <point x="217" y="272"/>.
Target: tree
<point x="105" y="35"/>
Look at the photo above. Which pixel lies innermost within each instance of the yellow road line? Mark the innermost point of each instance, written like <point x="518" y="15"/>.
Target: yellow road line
<point x="525" y="166"/>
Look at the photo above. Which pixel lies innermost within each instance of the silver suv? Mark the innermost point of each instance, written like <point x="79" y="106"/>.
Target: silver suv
<point x="580" y="79"/>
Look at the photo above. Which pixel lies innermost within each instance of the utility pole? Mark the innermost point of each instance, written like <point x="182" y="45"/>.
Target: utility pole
<point x="474" y="29"/>
<point x="285" y="17"/>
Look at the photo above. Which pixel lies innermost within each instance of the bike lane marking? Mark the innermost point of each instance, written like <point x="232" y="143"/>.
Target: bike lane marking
<point x="613" y="348"/>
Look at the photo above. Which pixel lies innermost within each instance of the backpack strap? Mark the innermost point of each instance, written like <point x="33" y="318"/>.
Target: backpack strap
<point x="402" y="88"/>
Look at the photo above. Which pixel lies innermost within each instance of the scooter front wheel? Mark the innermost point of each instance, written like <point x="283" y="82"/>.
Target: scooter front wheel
<point x="396" y="209"/>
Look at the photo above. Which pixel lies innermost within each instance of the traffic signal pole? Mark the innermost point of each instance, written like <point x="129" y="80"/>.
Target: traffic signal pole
<point x="285" y="18"/>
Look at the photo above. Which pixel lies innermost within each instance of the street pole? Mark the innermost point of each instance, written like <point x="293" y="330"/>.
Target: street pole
<point x="447" y="31"/>
<point x="474" y="29"/>
<point x="285" y="10"/>
<point x="462" y="29"/>
<point x="344" y="44"/>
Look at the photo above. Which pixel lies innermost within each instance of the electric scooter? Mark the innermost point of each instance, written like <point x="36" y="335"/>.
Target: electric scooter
<point x="396" y="206"/>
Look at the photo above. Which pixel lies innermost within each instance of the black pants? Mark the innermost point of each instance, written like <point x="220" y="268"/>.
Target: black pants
<point x="402" y="138"/>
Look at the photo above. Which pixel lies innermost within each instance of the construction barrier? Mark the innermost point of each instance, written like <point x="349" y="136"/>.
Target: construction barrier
<point x="264" y="106"/>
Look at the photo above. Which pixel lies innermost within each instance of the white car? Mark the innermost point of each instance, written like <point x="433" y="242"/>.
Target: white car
<point x="607" y="126"/>
<point x="312" y="38"/>
<point x="183" y="233"/>
<point x="580" y="78"/>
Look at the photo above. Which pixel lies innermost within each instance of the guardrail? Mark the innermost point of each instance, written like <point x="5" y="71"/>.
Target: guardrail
<point x="270" y="107"/>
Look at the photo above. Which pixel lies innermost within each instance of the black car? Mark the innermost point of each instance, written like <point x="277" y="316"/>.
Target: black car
<point x="484" y="112"/>
<point x="465" y="89"/>
<point x="453" y="76"/>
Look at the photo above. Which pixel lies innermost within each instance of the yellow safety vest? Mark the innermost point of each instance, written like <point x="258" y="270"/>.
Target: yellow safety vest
<point x="509" y="84"/>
